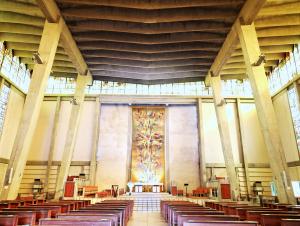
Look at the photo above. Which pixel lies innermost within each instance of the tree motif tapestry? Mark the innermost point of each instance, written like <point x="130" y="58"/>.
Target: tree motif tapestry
<point x="148" y="135"/>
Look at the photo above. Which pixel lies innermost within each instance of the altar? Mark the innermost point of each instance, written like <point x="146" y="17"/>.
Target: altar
<point x="148" y="187"/>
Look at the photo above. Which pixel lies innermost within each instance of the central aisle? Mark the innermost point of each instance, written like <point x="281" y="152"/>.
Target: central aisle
<point x="146" y="219"/>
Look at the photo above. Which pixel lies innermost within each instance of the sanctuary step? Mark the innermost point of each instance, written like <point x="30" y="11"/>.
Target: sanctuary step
<point x="147" y="201"/>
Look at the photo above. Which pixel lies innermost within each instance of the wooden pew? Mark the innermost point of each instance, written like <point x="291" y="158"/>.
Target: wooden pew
<point x="40" y="213"/>
<point x="256" y="215"/>
<point x="241" y="212"/>
<point x="125" y="215"/>
<point x="220" y="223"/>
<point x="275" y="219"/>
<point x="9" y="204"/>
<point x="172" y="210"/>
<point x="24" y="217"/>
<point x="170" y="206"/>
<point x="75" y="222"/>
<point x="185" y="218"/>
<point x="8" y="220"/>
<point x="230" y="209"/>
<point x="64" y="207"/>
<point x="121" y="219"/>
<point x="53" y="209"/>
<point x="290" y="222"/>
<point x="90" y="191"/>
<point x="95" y="216"/>
<point x="174" y="218"/>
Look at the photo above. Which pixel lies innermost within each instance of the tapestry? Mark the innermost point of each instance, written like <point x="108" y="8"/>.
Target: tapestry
<point x="148" y="135"/>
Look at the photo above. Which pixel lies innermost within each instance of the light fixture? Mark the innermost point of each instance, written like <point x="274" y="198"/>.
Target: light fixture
<point x="261" y="59"/>
<point x="221" y="103"/>
<point x="37" y="58"/>
<point x="74" y="101"/>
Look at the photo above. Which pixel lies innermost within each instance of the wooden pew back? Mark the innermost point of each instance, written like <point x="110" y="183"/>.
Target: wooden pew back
<point x="8" y="220"/>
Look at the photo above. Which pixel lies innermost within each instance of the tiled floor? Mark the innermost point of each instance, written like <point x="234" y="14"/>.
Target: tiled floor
<point x="146" y="219"/>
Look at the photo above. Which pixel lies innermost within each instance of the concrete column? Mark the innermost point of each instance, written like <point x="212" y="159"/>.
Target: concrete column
<point x="93" y="165"/>
<point x="242" y="136"/>
<point x="265" y="111"/>
<point x="220" y="106"/>
<point x="52" y="143"/>
<point x="201" y="151"/>
<point x="77" y="103"/>
<point x="34" y="98"/>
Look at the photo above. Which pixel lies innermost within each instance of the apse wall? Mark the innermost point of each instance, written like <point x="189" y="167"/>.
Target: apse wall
<point x="115" y="141"/>
<point x="183" y="157"/>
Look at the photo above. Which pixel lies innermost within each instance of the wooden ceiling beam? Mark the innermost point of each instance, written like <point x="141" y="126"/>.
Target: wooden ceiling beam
<point x="29" y="47"/>
<point x="279" y="40"/>
<point x="248" y="13"/>
<point x="63" y="69"/>
<point x="156" y="4"/>
<point x="107" y="67"/>
<point x="270" y="63"/>
<point x="20" y="29"/>
<point x="278" y="31"/>
<point x="280" y="9"/>
<point x="29" y="54"/>
<point x="64" y="74"/>
<point x="20" y="7"/>
<point x="22" y="38"/>
<point x="149" y="76"/>
<point x="277" y="21"/>
<point x="271" y="56"/>
<point x="57" y="63"/>
<point x="52" y="14"/>
<point x="141" y="28"/>
<point x="268" y="49"/>
<point x="149" y="82"/>
<point x="147" y="64"/>
<point x="10" y="17"/>
<point x="149" y="57"/>
<point x="149" y="16"/>
<point x="117" y="46"/>
<point x="149" y="39"/>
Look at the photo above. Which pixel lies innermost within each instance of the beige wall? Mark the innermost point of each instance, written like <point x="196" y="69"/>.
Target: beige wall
<point x="212" y="142"/>
<point x="284" y="119"/>
<point x="254" y="145"/>
<point x="113" y="146"/>
<point x="183" y="146"/>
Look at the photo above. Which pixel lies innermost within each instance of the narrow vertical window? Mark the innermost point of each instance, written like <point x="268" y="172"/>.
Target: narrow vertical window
<point x="294" y="107"/>
<point x="4" y="94"/>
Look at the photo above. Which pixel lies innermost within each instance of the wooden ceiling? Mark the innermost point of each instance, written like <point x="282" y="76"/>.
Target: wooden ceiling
<point x="150" y="41"/>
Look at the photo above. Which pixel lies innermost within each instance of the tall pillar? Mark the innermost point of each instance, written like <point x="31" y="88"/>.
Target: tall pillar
<point x="201" y="151"/>
<point x="242" y="136"/>
<point x="81" y="82"/>
<point x="265" y="111"/>
<point x="93" y="165"/>
<point x="52" y="143"/>
<point x="222" y="119"/>
<point x="34" y="98"/>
